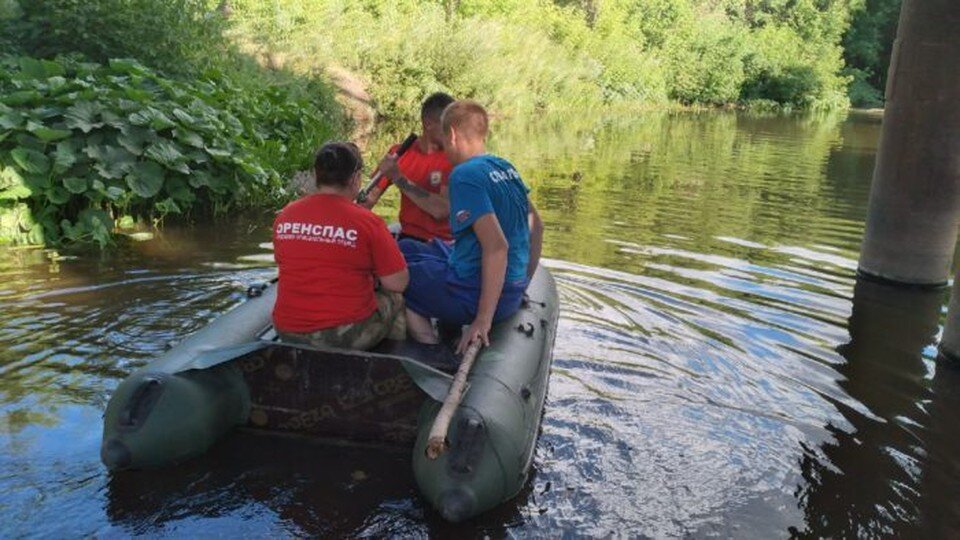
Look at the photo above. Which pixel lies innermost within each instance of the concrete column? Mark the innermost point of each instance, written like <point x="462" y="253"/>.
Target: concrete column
<point x="915" y="198"/>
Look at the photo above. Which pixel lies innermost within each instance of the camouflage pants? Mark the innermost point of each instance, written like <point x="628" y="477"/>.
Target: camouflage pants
<point x="387" y="321"/>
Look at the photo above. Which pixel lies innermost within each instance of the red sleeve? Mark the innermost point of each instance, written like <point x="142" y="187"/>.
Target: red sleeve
<point x="387" y="258"/>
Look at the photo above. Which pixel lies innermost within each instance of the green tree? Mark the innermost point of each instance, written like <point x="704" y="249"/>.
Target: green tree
<point x="868" y="45"/>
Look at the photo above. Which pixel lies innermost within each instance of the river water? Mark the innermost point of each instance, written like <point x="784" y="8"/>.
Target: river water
<point x="718" y="370"/>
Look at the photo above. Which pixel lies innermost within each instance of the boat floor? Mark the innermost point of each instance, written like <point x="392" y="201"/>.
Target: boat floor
<point x="349" y="396"/>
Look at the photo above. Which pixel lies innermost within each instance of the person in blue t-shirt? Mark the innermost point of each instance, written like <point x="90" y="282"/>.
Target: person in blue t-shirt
<point x="497" y="234"/>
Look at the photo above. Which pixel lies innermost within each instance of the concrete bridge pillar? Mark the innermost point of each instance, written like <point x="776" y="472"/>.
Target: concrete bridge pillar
<point x="915" y="198"/>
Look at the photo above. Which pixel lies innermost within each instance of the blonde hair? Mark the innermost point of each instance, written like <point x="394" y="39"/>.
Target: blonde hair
<point x="468" y="117"/>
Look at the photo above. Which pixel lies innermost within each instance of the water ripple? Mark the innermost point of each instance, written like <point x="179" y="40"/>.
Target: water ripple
<point x="718" y="371"/>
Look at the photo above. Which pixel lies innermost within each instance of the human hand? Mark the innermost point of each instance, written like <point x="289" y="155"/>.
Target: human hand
<point x="479" y="329"/>
<point x="388" y="167"/>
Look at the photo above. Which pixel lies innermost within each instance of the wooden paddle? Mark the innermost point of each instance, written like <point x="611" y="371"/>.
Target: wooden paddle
<point x="437" y="440"/>
<point x="377" y="176"/>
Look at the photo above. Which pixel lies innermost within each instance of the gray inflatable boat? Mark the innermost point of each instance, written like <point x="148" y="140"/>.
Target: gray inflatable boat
<point x="234" y="373"/>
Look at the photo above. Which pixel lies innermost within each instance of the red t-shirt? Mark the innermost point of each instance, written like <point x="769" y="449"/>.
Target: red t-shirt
<point x="431" y="172"/>
<point x="328" y="250"/>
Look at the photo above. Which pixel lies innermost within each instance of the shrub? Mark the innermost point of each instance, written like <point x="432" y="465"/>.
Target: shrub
<point x="83" y="144"/>
<point x="862" y="92"/>
<point x="530" y="55"/>
<point x="706" y="63"/>
<point x="173" y="36"/>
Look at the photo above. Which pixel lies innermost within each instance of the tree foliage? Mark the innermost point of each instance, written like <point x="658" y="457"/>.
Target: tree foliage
<point x="529" y="55"/>
<point x="867" y="48"/>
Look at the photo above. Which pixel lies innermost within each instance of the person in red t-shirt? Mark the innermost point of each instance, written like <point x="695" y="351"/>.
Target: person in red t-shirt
<point x="330" y="253"/>
<point x="421" y="174"/>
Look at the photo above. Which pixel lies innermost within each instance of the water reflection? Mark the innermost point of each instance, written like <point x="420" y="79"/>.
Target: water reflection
<point x="865" y="481"/>
<point x="706" y="264"/>
<point x="940" y="484"/>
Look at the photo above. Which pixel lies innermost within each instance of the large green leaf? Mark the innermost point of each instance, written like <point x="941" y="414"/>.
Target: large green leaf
<point x="232" y="124"/>
<point x="167" y="206"/>
<point x="15" y="193"/>
<point x="178" y="189"/>
<point x="135" y="138"/>
<point x="198" y="157"/>
<point x="138" y="94"/>
<point x="32" y="68"/>
<point x="146" y="179"/>
<point x="64" y="156"/>
<point x="83" y="116"/>
<point x="141" y="117"/>
<point x="112" y="192"/>
<point x="57" y="85"/>
<point x="188" y="137"/>
<point x="113" y="119"/>
<point x="21" y="97"/>
<point x="199" y="179"/>
<point x="9" y="177"/>
<point x="75" y="185"/>
<point x="128" y="66"/>
<point x="57" y="195"/>
<point x="98" y="224"/>
<point x="30" y="161"/>
<point x="37" y="182"/>
<point x="114" y="162"/>
<point x="10" y="118"/>
<point x="151" y="117"/>
<point x="11" y="185"/>
<point x="47" y="134"/>
<point x="167" y="153"/>
<point x="184" y="117"/>
<point x="219" y="153"/>
<point x="46" y="111"/>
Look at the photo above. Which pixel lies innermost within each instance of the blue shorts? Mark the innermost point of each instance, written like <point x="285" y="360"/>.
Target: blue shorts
<point x="435" y="291"/>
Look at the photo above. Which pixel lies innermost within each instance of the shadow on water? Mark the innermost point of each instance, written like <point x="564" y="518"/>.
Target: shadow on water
<point x="281" y="482"/>
<point x="894" y="471"/>
<point x="940" y="482"/>
<point x="718" y="370"/>
<point x="866" y="482"/>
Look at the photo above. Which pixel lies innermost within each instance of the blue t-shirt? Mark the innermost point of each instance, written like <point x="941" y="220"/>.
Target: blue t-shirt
<point x="479" y="186"/>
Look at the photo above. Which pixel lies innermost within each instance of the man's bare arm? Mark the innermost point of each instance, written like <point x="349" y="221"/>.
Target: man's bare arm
<point x="372" y="197"/>
<point x="396" y="282"/>
<point x="493" y="273"/>
<point x="435" y="204"/>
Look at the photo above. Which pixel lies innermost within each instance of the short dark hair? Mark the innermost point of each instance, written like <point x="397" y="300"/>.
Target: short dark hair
<point x="434" y="105"/>
<point x="336" y="162"/>
<point x="468" y="117"/>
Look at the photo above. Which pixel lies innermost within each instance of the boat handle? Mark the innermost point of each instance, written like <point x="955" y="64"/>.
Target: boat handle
<point x="526" y="329"/>
<point x="255" y="291"/>
<point x="141" y="402"/>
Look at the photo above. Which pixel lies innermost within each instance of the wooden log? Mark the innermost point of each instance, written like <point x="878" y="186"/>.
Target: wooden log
<point x="437" y="441"/>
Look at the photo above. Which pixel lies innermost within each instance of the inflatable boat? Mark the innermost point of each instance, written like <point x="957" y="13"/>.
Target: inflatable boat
<point x="235" y="374"/>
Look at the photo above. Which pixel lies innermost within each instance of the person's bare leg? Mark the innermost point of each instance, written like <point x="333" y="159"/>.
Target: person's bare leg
<point x="420" y="328"/>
